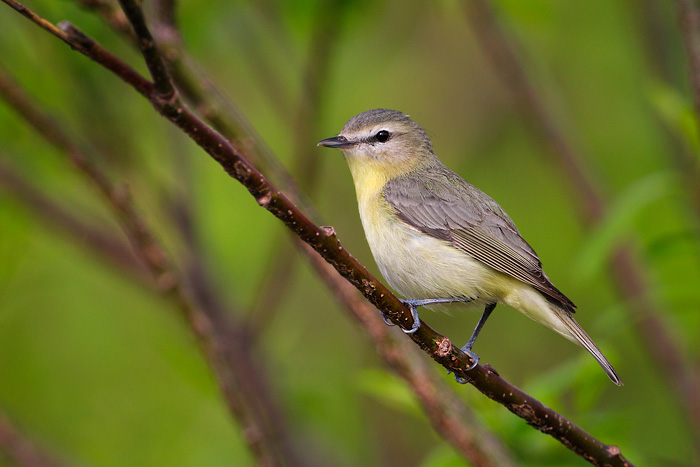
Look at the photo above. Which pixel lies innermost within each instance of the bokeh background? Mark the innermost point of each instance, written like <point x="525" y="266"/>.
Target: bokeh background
<point x="98" y="369"/>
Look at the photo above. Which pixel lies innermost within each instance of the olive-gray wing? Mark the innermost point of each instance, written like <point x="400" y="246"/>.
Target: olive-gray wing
<point x="440" y="203"/>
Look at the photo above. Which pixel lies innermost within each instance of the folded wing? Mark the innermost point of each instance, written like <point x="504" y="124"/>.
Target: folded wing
<point x="440" y="203"/>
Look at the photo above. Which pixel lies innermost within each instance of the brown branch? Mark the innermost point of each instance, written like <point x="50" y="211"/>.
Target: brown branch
<point x="325" y="242"/>
<point x="625" y="263"/>
<point x="224" y="116"/>
<point x="156" y="66"/>
<point x="225" y="344"/>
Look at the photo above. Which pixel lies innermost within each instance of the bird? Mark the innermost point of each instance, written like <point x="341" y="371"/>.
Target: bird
<point x="437" y="239"/>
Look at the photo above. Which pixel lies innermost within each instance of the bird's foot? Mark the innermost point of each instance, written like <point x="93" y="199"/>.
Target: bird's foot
<point x="475" y="360"/>
<point x="414" y="303"/>
<point x="474" y="357"/>
<point x="414" y="313"/>
<point x="413" y="306"/>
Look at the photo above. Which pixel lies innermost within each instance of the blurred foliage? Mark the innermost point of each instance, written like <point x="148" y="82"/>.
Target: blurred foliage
<point x="101" y="371"/>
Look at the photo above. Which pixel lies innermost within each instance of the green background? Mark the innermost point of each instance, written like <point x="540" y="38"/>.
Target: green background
<point x="101" y="371"/>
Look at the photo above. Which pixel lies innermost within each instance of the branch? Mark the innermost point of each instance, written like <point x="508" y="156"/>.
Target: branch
<point x="156" y="66"/>
<point x="625" y="263"/>
<point x="324" y="241"/>
<point x="225" y="345"/>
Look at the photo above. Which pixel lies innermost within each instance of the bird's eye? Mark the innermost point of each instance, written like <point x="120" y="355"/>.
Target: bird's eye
<point x="382" y="136"/>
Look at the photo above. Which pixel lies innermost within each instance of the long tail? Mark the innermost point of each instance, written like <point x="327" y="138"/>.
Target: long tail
<point x="586" y="342"/>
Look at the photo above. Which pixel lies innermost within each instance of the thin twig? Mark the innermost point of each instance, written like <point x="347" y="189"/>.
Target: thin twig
<point x="625" y="264"/>
<point x="325" y="242"/>
<point x="156" y="66"/>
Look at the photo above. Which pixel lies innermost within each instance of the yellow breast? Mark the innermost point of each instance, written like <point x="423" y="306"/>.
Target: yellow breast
<point x="415" y="264"/>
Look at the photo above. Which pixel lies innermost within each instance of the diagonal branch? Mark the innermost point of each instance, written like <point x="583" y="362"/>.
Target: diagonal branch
<point x="325" y="242"/>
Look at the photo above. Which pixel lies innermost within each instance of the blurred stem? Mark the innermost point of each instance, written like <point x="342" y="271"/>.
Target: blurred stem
<point x="277" y="280"/>
<point x="105" y="245"/>
<point x="22" y="451"/>
<point x="111" y="14"/>
<point x="625" y="264"/>
<point x="325" y="242"/>
<point x="224" y="345"/>
<point x="689" y="19"/>
<point x="654" y="33"/>
<point x="689" y="168"/>
<point x="323" y="40"/>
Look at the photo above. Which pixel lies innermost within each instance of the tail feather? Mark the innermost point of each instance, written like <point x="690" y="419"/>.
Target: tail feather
<point x="586" y="342"/>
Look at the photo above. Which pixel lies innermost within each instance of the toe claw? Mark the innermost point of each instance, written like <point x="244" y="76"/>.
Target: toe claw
<point x="461" y="380"/>
<point x="386" y="320"/>
<point x="474" y="357"/>
<point x="416" y="325"/>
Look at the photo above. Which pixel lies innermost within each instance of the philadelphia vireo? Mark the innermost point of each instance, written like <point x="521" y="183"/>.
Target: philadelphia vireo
<point x="438" y="239"/>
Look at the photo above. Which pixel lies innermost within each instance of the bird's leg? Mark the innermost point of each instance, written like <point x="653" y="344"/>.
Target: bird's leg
<point x="414" y="303"/>
<point x="467" y="349"/>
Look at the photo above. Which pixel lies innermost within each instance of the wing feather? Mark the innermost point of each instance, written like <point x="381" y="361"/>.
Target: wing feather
<point x="440" y="203"/>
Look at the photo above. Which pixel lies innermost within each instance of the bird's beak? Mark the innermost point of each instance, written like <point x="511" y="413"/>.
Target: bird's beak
<point x="338" y="142"/>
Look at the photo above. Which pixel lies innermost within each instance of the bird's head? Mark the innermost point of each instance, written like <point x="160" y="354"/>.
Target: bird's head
<point x="383" y="141"/>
